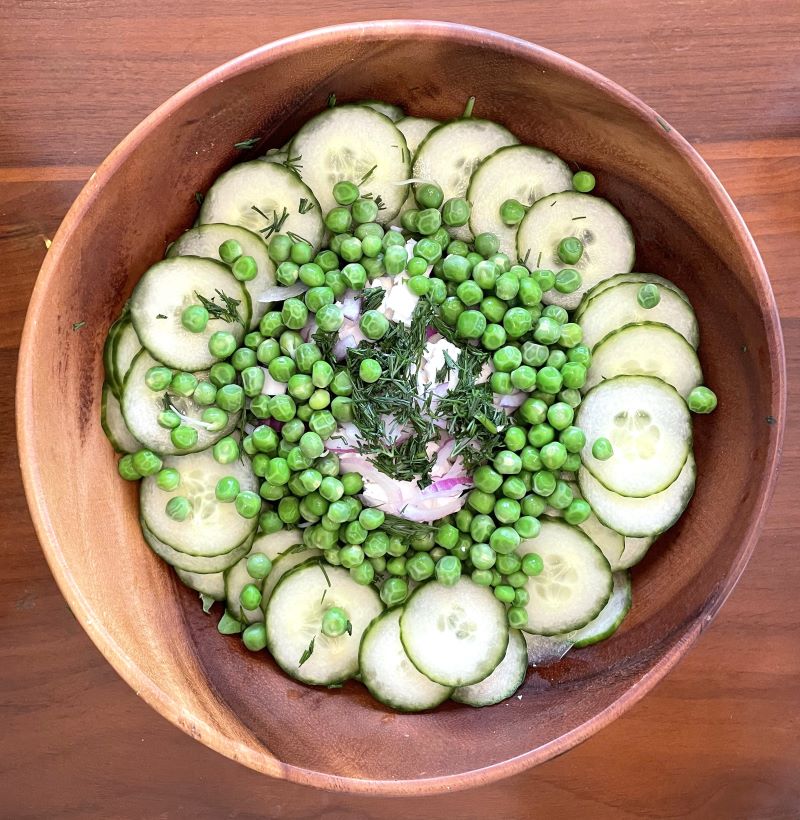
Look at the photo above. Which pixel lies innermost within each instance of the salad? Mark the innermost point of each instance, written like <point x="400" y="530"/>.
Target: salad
<point x="398" y="402"/>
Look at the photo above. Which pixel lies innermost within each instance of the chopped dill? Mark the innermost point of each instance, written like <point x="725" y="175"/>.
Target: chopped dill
<point x="228" y="313"/>
<point x="246" y="145"/>
<point x="275" y="225"/>
<point x="372" y="298"/>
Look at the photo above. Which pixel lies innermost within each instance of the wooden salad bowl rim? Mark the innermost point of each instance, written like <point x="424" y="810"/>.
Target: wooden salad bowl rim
<point x="47" y="529"/>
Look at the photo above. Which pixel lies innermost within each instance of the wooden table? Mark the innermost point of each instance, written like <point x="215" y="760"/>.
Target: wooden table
<point x="720" y="737"/>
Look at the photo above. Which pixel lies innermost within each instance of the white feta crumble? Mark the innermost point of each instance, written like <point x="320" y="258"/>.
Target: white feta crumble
<point x="433" y="360"/>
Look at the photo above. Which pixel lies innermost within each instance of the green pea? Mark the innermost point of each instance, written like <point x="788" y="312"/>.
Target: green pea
<point x="289" y="509"/>
<point x="374" y="324"/>
<point x="226" y="450"/>
<point x="300" y="387"/>
<point x="469" y="293"/>
<point x="568" y="281"/>
<point x="331" y="488"/>
<point x="455" y="268"/>
<point x="301" y="253"/>
<point x="507" y="510"/>
<point x="214" y="418"/>
<point x="515" y="438"/>
<point x="297" y="461"/>
<point x="553" y="455"/>
<point x="371" y="245"/>
<point x="573" y="438"/>
<point x="504" y="540"/>
<point x="451" y="309"/>
<point x="248" y="446"/>
<point x="227" y="489"/>
<point x="530" y="293"/>
<point x="294" y="314"/>
<point x="580" y="354"/>
<point x="419" y="567"/>
<point x="514" y="487"/>
<point x="250" y="596"/>
<point x="350" y="249"/>
<point x="323" y="423"/>
<point x="245" y="269"/>
<point x="527" y="526"/>
<point x="447" y="536"/>
<point x="508" y="563"/>
<point x="577" y="512"/>
<point x="455" y="212"/>
<point x="544" y="483"/>
<point x="369" y="370"/>
<point x="507" y="462"/>
<point x="507" y="358"/>
<point x="429" y="195"/>
<point x="355" y="275"/>
<point x="549" y="379"/>
<point x="482" y="556"/>
<point x="512" y="211"/>
<point x="507" y="286"/>
<point x="408" y="220"/>
<point x="364" y="211"/>
<point x="394" y="591"/>
<point x="486" y="244"/>
<point x="354" y="533"/>
<point x="533" y="506"/>
<point x="229" y="251"/>
<point x="376" y="544"/>
<point x="158" y="378"/>
<point x="184" y="437"/>
<point x="280" y="248"/>
<point x="517" y="322"/>
<point x="282" y="368"/>
<point x="457" y="248"/>
<point x="480" y="501"/>
<point x="317" y="298"/>
<point x="602" y="449"/>
<point x="572" y="464"/>
<point x="702" y="400"/>
<point x="330" y="318"/>
<point x="146" y="462"/>
<point x="560" y="415"/>
<point x="231" y="398"/>
<point x="531" y="461"/>
<point x="252" y="381"/>
<point x="335" y="621"/>
<point x="429" y="250"/>
<point x="205" y="393"/>
<point x="571" y="335"/>
<point x="557" y="313"/>
<point x="268" y="350"/>
<point x="195" y="318"/>
<point x="221" y="344"/>
<point x="517" y="616"/>
<point x="371" y="518"/>
<point x="345" y="193"/>
<point x="417" y="266"/>
<point x="278" y="473"/>
<point x="501" y="383"/>
<point x="397" y="566"/>
<point x="429" y="221"/>
<point x="363" y="574"/>
<point x="482" y="577"/>
<point x="448" y="570"/>
<point x="493" y="337"/>
<point x="573" y="375"/>
<point x="258" y="564"/>
<point x="494" y="309"/>
<point x="259" y="464"/>
<point x="544" y="278"/>
<point x="523" y="378"/>
<point x="570" y="396"/>
<point x="167" y="479"/>
<point x="583" y="181"/>
<point x="338" y="220"/>
<point x="556" y="359"/>
<point x="482" y="526"/>
<point x="485" y="274"/>
<point x="561" y="497"/>
<point x="570" y="250"/>
<point x="327" y="260"/>
<point x="419" y="285"/>
<point x="504" y="593"/>
<point x="271" y="324"/>
<point x="287" y="273"/>
<point x="471" y="324"/>
<point x="178" y="508"/>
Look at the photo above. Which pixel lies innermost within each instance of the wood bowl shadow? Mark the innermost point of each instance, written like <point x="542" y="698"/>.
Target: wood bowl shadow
<point x="152" y="630"/>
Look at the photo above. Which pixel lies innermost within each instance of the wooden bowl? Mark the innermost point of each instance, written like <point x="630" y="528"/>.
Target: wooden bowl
<point x="153" y="631"/>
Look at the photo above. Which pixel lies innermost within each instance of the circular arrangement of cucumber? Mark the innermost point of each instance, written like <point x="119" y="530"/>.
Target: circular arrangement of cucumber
<point x="399" y="403"/>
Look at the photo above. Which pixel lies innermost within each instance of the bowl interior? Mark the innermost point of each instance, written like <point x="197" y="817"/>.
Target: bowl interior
<point x="153" y="630"/>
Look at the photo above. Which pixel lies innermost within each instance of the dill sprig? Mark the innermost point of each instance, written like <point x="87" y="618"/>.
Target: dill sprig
<point x="228" y="311"/>
<point x="305" y="206"/>
<point x="403" y="528"/>
<point x="307" y="653"/>
<point x="325" y="341"/>
<point x="246" y="145"/>
<point x="293" y="164"/>
<point x="372" y="298"/>
<point x="367" y="175"/>
<point x="275" y="225"/>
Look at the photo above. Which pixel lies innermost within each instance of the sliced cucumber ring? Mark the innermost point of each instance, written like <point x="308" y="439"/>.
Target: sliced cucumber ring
<point x="646" y="349"/>
<point x="205" y="241"/>
<point x="291" y="556"/>
<point x="126" y="347"/>
<point x="640" y="517"/>
<point x="165" y="291"/>
<point x="191" y="563"/>
<point x="611" y="615"/>
<point x="504" y="681"/>
<point x="575" y="583"/>
<point x="294" y="617"/>
<point x="635" y="550"/>
<point x="117" y="432"/>
<point x="212" y="527"/>
<point x="519" y="172"/>
<point x="254" y="194"/>
<point x="212" y="583"/>
<point x="388" y="673"/>
<point x="393" y="112"/>
<point x="607" y="238"/>
<point x="415" y="129"/>
<point x="454" y="635"/>
<point x="141" y="406"/>
<point x="624" y="278"/>
<point x="650" y="430"/>
<point x="108" y="354"/>
<point x="235" y="580"/>
<point x="276" y="544"/>
<point x="618" y="306"/>
<point x="452" y="151"/>
<point x="351" y="142"/>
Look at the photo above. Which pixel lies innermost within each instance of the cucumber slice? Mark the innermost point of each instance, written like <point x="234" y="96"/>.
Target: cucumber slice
<point x="235" y="580"/>
<point x="452" y="151"/>
<point x="519" y="172"/>
<point x="611" y="615"/>
<point x="166" y="290"/>
<point x="113" y="423"/>
<point x="213" y="527"/>
<point x="649" y="427"/>
<point x="205" y="241"/>
<point x="635" y="550"/>
<point x="351" y="142"/>
<point x="294" y="616"/>
<point x="393" y="112"/>
<point x="545" y="650"/>
<point x="388" y="673"/>
<point x="640" y="517"/>
<point x="454" y="635"/>
<point x="108" y="354"/>
<point x="606" y="235"/>
<point x="415" y="129"/>
<point x="191" y="563"/>
<point x="575" y="583"/>
<point x="619" y="306"/>
<point x="624" y="278"/>
<point x="212" y="583"/>
<point x="646" y="349"/>
<point x="140" y="408"/>
<point x="275" y="544"/>
<point x="126" y="348"/>
<point x="290" y="556"/>
<point x="271" y="188"/>
<point x="504" y="681"/>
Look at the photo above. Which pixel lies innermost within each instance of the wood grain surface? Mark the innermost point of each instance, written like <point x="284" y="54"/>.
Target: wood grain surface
<point x="720" y="737"/>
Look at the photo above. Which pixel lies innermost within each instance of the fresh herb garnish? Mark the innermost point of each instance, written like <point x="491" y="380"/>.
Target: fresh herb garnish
<point x="576" y="218"/>
<point x="324" y="572"/>
<point x="198" y="197"/>
<point x="324" y="593"/>
<point x="228" y="313"/>
<point x="305" y="206"/>
<point x="403" y="528"/>
<point x="78" y="325"/>
<point x="246" y="145"/>
<point x="295" y="237"/>
<point x="275" y="225"/>
<point x="468" y="108"/>
<point x="539" y="259"/>
<point x="349" y="628"/>
<point x="367" y="175"/>
<point x="380" y="203"/>
<point x="524" y="260"/>
<point x="331" y="100"/>
<point x="663" y="124"/>
<point x="292" y="550"/>
<point x="307" y="653"/>
<point x="293" y="164"/>
<point x="161" y="315"/>
<point x="325" y="341"/>
<point x="372" y="298"/>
